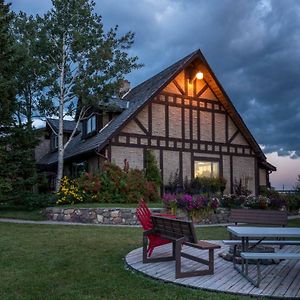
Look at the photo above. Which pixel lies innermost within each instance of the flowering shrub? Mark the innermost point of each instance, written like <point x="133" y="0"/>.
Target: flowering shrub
<point x="69" y="193"/>
<point x="263" y="202"/>
<point x="112" y="185"/>
<point x="233" y="201"/>
<point x="193" y="205"/>
<point x="170" y="201"/>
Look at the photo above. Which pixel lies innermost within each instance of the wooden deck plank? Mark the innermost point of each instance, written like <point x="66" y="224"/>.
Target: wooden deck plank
<point x="291" y="274"/>
<point x="294" y="288"/>
<point x="282" y="280"/>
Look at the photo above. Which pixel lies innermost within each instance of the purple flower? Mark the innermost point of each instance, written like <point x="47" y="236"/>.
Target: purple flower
<point x="214" y="203"/>
<point x="169" y="200"/>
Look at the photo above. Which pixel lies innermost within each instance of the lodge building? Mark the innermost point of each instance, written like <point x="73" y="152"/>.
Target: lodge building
<point x="183" y="114"/>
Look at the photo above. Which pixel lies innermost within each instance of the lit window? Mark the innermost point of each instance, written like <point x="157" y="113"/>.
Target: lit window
<point x="91" y="124"/>
<point x="206" y="169"/>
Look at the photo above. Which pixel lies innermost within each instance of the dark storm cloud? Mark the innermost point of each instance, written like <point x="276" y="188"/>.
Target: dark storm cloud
<point x="253" y="47"/>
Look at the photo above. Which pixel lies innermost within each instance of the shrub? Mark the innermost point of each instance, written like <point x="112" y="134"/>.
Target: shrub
<point x="260" y="202"/>
<point x="152" y="172"/>
<point x="174" y="185"/>
<point x="170" y="201"/>
<point x="206" y="185"/>
<point x="69" y="192"/>
<point x="232" y="201"/>
<point x="112" y="185"/>
<point x="263" y="202"/>
<point x="193" y="205"/>
<point x="240" y="189"/>
<point x="31" y="201"/>
<point x="269" y="192"/>
<point x="90" y="186"/>
<point x="292" y="201"/>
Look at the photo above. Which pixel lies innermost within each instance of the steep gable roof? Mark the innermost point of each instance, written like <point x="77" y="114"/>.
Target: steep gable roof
<point x="139" y="96"/>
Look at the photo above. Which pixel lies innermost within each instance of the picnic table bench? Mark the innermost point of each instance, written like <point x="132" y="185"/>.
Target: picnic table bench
<point x="182" y="234"/>
<point x="261" y="256"/>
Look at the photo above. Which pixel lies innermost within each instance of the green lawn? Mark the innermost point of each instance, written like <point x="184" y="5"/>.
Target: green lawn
<point x="35" y="215"/>
<point x="72" y="262"/>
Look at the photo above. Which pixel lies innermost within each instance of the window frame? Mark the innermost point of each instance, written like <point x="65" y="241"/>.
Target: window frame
<point x="91" y="124"/>
<point x="207" y="160"/>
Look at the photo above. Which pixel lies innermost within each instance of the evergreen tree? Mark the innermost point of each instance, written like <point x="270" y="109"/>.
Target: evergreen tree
<point x="30" y="81"/>
<point x="84" y="62"/>
<point x="7" y="68"/>
<point x="152" y="172"/>
<point x="17" y="171"/>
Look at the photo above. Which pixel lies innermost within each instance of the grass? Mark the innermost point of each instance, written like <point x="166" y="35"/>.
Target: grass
<point x="35" y="215"/>
<point x="68" y="262"/>
<point x="72" y="262"/>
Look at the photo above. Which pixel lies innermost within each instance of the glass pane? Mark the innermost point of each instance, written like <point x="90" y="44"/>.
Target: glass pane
<point x="202" y="169"/>
<point x="93" y="123"/>
<point x="88" y="127"/>
<point x="206" y="169"/>
<point x="215" y="168"/>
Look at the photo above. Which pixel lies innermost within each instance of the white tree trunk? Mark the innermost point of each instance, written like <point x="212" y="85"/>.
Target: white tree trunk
<point x="61" y="150"/>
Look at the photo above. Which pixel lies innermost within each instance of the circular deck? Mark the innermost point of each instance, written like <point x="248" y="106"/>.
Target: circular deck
<point x="279" y="280"/>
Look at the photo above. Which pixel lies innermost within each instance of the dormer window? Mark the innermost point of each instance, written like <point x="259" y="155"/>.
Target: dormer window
<point x="91" y="124"/>
<point x="54" y="142"/>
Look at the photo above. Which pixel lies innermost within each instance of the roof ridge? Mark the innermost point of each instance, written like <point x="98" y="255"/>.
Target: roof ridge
<point x="178" y="63"/>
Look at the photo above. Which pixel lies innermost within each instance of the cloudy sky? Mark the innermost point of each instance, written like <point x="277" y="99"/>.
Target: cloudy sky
<point x="252" y="46"/>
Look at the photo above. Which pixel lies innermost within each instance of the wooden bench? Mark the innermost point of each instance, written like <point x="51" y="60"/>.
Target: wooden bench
<point x="261" y="256"/>
<point x="258" y="217"/>
<point x="181" y="233"/>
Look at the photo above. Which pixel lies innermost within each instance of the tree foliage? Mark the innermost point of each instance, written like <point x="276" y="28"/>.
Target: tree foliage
<point x="17" y="171"/>
<point x="31" y="75"/>
<point x="152" y="172"/>
<point x="8" y="65"/>
<point x="80" y="61"/>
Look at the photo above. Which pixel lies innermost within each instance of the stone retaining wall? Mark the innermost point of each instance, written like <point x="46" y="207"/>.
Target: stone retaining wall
<point x="116" y="216"/>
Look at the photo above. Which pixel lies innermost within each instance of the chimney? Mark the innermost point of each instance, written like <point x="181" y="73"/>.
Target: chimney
<point x="125" y="87"/>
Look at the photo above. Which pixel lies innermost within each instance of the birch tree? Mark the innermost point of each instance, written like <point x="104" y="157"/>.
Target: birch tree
<point x="84" y="62"/>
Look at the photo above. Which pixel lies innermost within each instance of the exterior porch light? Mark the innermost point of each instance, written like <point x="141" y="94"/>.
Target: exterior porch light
<point x="199" y="75"/>
<point x="194" y="74"/>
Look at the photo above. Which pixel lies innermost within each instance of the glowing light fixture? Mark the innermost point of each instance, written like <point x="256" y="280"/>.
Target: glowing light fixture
<point x="199" y="75"/>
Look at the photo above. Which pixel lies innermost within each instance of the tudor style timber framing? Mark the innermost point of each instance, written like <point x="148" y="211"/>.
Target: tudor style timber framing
<point x="190" y="140"/>
<point x="184" y="122"/>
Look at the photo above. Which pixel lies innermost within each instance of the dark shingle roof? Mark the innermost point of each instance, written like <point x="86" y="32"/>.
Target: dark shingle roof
<point x="137" y="98"/>
<point x="68" y="125"/>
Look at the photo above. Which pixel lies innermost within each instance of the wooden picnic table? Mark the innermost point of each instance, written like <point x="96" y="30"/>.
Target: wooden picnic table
<point x="261" y="233"/>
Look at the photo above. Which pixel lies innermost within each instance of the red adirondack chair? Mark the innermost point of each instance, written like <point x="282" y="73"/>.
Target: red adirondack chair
<point x="143" y="214"/>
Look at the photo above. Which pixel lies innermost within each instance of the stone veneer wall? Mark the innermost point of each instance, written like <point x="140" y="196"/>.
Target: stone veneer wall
<point x="115" y="216"/>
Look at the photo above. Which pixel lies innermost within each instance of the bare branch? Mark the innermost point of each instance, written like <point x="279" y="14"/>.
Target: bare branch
<point x="51" y="127"/>
<point x="81" y="114"/>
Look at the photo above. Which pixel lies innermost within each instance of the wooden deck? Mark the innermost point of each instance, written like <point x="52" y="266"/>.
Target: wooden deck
<point x="279" y="280"/>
